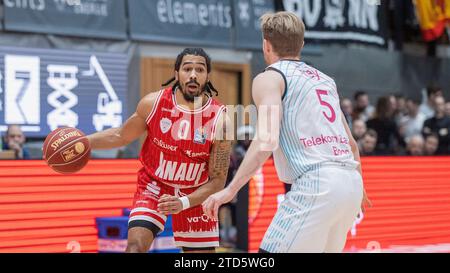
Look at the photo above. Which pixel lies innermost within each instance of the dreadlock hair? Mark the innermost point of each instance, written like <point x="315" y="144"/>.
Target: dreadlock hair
<point x="209" y="88"/>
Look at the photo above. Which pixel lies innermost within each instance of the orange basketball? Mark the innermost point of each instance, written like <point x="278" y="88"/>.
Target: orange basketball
<point x="66" y="150"/>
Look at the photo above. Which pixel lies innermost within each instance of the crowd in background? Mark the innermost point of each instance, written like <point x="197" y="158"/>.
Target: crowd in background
<point x="397" y="125"/>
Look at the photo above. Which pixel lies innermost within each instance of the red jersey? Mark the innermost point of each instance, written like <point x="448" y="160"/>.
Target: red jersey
<point x="177" y="148"/>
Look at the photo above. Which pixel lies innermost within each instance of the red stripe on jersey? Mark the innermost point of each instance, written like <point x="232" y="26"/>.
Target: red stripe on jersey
<point x="152" y="113"/>
<point x="203" y="239"/>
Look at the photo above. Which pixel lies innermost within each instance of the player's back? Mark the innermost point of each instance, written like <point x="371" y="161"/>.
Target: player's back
<point x="312" y="132"/>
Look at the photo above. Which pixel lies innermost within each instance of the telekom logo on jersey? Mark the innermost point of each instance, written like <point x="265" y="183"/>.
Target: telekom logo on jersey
<point x="176" y="171"/>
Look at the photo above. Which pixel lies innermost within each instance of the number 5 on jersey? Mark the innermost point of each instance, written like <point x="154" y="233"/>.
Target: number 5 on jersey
<point x="321" y="93"/>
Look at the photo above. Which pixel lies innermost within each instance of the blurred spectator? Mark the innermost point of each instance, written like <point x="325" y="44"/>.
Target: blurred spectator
<point x="413" y="123"/>
<point x="227" y="213"/>
<point x="363" y="110"/>
<point x="14" y="140"/>
<point x="415" y="145"/>
<point x="401" y="111"/>
<point x="347" y="109"/>
<point x="431" y="144"/>
<point x="427" y="106"/>
<point x="447" y="108"/>
<point x="383" y="123"/>
<point x="359" y="129"/>
<point x="393" y="104"/>
<point x="367" y="143"/>
<point x="439" y="124"/>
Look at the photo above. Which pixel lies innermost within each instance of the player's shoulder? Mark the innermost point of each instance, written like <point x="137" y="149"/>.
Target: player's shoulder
<point x="217" y="107"/>
<point x="223" y="125"/>
<point x="269" y="75"/>
<point x="217" y="103"/>
<point x="152" y="97"/>
<point x="147" y="103"/>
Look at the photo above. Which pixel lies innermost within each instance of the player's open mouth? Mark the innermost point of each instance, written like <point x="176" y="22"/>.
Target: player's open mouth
<point x="192" y="87"/>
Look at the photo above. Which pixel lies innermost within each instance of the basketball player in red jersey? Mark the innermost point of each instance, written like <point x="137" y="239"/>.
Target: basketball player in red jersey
<point x="185" y="157"/>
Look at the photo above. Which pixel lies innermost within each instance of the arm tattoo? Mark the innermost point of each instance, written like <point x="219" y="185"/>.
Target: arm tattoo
<point x="220" y="155"/>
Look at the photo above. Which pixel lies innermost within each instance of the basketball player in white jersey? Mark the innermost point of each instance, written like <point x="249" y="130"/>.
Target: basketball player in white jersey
<point x="311" y="143"/>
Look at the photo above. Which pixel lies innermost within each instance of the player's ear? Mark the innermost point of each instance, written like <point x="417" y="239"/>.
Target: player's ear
<point x="176" y="75"/>
<point x="267" y="46"/>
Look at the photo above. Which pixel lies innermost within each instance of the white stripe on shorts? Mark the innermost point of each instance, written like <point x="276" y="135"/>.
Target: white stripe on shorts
<point x="141" y="209"/>
<point x="196" y="244"/>
<point x="200" y="234"/>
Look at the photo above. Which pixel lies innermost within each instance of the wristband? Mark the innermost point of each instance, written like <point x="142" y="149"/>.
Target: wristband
<point x="185" y="201"/>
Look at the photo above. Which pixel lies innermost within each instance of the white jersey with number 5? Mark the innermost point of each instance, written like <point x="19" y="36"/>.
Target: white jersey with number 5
<point x="312" y="132"/>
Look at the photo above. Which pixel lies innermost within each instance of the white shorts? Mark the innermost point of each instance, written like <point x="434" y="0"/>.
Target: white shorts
<point x="317" y="212"/>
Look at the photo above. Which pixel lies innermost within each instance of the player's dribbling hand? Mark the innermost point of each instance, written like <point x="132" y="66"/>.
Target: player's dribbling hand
<point x="211" y="205"/>
<point x="168" y="204"/>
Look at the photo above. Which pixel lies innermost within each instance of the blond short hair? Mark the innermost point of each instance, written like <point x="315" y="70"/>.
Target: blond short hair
<point x="285" y="31"/>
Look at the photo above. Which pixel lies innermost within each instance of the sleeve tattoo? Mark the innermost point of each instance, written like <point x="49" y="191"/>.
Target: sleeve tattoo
<point x="220" y="156"/>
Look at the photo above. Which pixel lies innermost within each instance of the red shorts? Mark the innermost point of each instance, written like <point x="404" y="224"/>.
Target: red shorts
<point x="191" y="227"/>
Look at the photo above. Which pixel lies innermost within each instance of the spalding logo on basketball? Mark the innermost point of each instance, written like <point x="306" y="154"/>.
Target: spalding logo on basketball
<point x="66" y="150"/>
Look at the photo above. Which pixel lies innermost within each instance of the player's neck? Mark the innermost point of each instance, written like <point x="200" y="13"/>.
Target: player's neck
<point x="290" y="58"/>
<point x="198" y="103"/>
<point x="275" y="59"/>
